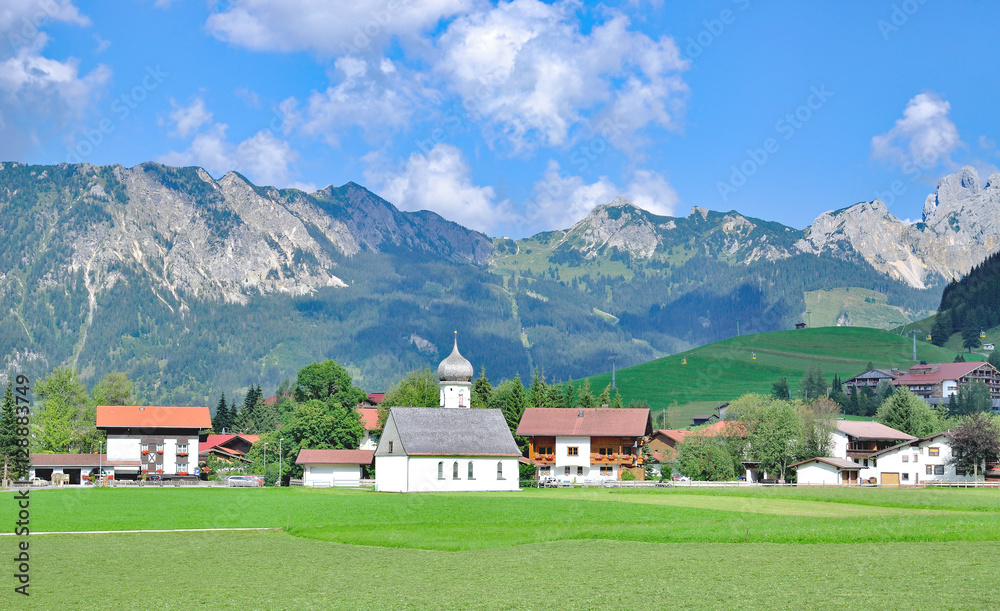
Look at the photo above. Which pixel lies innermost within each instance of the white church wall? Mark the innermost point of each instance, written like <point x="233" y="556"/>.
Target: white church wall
<point x="423" y="474"/>
<point x="390" y="473"/>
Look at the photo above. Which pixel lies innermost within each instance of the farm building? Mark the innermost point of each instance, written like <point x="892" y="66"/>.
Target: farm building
<point x="71" y="468"/>
<point x="914" y="462"/>
<point x="333" y="467"/>
<point x="827" y="471"/>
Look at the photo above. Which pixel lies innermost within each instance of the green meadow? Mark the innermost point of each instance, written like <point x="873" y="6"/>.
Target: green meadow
<point x="699" y="548"/>
<point x="725" y="370"/>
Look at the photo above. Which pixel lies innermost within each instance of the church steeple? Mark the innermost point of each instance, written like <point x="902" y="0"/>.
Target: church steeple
<point x="455" y="379"/>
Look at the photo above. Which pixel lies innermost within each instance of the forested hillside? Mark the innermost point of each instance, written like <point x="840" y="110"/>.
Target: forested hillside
<point x="970" y="305"/>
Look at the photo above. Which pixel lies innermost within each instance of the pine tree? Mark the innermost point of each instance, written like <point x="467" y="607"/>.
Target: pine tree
<point x="569" y="396"/>
<point x="8" y="435"/>
<point x="538" y="392"/>
<point x="617" y="402"/>
<point x="605" y="398"/>
<point x="585" y="398"/>
<point x="481" y="390"/>
<point x="221" y="423"/>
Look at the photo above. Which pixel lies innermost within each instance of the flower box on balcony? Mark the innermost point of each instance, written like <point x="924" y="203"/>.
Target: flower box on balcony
<point x="550" y="457"/>
<point x="144" y="452"/>
<point x="182" y="473"/>
<point x="599" y="457"/>
<point x="159" y="451"/>
<point x="182" y="453"/>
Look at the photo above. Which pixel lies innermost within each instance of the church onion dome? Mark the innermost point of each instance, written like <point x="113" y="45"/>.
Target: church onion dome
<point x="455" y="368"/>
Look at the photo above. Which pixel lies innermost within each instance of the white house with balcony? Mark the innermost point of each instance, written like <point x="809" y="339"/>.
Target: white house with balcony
<point x="920" y="461"/>
<point x="164" y="440"/>
<point x="579" y="445"/>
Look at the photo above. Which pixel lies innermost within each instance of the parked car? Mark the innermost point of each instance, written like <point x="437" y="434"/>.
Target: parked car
<point x="548" y="482"/>
<point x="242" y="481"/>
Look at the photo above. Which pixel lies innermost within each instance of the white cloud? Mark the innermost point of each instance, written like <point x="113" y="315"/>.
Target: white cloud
<point x="441" y="181"/>
<point x="189" y="119"/>
<point x="39" y="94"/>
<point x="327" y="28"/>
<point x="263" y="158"/>
<point x="375" y="96"/>
<point x="924" y="137"/>
<point x="527" y="68"/>
<point x="561" y="199"/>
<point x="102" y="44"/>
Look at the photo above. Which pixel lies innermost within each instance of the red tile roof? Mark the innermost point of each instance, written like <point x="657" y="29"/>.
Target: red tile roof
<point x="942" y="372"/>
<point x="726" y="428"/>
<point x="369" y="417"/>
<point x="376" y="397"/>
<point x="335" y="457"/>
<point x="607" y="422"/>
<point x="78" y="460"/>
<point x="135" y="416"/>
<point x="871" y="430"/>
<point x="842" y="464"/>
<point x="675" y="435"/>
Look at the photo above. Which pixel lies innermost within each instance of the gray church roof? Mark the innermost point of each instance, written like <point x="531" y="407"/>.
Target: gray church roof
<point x="436" y="431"/>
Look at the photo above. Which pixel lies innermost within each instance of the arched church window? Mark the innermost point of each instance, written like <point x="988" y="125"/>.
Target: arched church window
<point x="454" y="470"/>
<point x="471" y="476"/>
<point x="500" y="469"/>
<point x="441" y="469"/>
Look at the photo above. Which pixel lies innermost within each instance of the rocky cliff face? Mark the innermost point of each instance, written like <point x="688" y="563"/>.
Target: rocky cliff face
<point x="960" y="227"/>
<point x="196" y="237"/>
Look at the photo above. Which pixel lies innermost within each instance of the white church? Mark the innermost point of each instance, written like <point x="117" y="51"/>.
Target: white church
<point x="447" y="448"/>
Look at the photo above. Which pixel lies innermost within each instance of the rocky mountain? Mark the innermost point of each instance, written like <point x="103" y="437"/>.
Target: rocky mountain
<point x="960" y="227"/>
<point x="194" y="285"/>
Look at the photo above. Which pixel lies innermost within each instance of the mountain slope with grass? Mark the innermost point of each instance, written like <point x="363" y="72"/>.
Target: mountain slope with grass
<point x="724" y="370"/>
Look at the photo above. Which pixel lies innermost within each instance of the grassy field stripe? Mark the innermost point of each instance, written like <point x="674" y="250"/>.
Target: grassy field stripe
<point x="131" y="532"/>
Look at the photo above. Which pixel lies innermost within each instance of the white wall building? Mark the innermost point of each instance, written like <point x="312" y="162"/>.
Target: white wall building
<point x="825" y="471"/>
<point x="920" y="461"/>
<point x="325" y="468"/>
<point x="164" y="440"/>
<point x="448" y="448"/>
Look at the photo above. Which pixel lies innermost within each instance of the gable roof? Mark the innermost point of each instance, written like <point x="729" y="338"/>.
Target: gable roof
<point x="876" y="373"/>
<point x="726" y="428"/>
<point x="913" y="442"/>
<point x="220" y="444"/>
<point x="841" y="463"/>
<point x="871" y="430"/>
<point x="369" y="417"/>
<point x="675" y="435"/>
<point x="937" y="373"/>
<point x="335" y="457"/>
<point x="147" y="417"/>
<point x="597" y="422"/>
<point x="440" y="431"/>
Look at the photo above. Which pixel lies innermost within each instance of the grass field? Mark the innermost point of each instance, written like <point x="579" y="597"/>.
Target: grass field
<point x="866" y="308"/>
<point x="786" y="548"/>
<point x="725" y="370"/>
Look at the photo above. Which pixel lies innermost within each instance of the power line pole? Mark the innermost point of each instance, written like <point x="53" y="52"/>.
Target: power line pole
<point x="737" y="327"/>
<point x="613" y="358"/>
<point x="809" y="320"/>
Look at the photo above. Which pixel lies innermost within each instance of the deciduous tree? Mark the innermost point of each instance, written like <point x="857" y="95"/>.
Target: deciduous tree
<point x="114" y="388"/>
<point x="418" y="389"/>
<point x="704" y="458"/>
<point x="65" y="419"/>
<point x="975" y="442"/>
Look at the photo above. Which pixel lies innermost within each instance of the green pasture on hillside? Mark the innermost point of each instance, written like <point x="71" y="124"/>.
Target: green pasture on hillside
<point x="724" y="370"/>
<point x="699" y="548"/>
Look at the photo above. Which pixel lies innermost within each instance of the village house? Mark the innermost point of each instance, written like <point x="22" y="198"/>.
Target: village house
<point x="369" y="421"/>
<point x="663" y="443"/>
<point x="910" y="463"/>
<point x="936" y="383"/>
<point x="870" y="379"/>
<point x="325" y="468"/>
<point x="230" y="448"/>
<point x="585" y="444"/>
<point x="164" y="440"/>
<point x="448" y="448"/>
<point x="859" y="440"/>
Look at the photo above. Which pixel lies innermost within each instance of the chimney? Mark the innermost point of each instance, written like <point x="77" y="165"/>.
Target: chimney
<point x="604" y="406"/>
<point x="579" y="414"/>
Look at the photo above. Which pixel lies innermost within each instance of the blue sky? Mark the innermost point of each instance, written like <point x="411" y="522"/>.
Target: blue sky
<point x="518" y="117"/>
